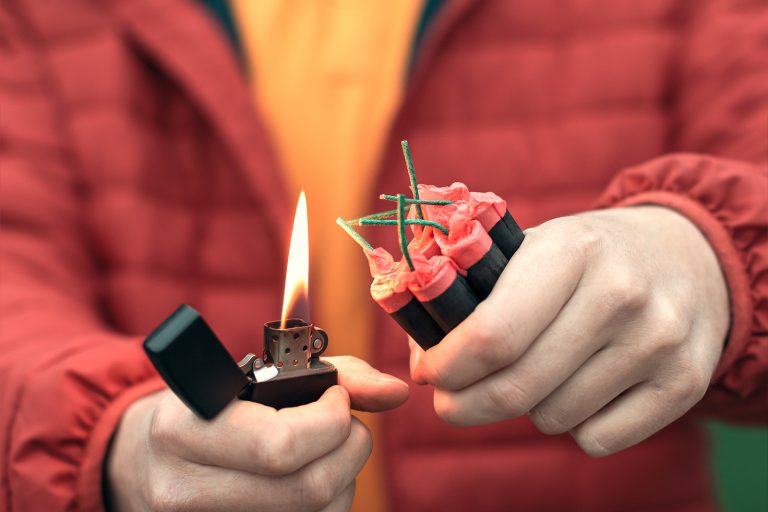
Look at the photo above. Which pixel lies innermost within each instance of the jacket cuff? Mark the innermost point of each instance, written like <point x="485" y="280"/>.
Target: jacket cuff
<point x="90" y="483"/>
<point x="730" y="261"/>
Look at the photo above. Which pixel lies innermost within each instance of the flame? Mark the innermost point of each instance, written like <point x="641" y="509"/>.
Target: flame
<point x="296" y="293"/>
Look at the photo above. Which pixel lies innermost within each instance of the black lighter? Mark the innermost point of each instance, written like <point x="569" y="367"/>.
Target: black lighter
<point x="197" y="367"/>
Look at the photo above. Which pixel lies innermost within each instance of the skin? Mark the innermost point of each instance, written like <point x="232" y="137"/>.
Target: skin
<point x="250" y="457"/>
<point x="608" y="325"/>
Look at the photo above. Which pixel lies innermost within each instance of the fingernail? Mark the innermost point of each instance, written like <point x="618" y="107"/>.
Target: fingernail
<point x="386" y="378"/>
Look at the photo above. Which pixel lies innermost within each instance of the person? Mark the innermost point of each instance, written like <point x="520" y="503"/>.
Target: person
<point x="149" y="154"/>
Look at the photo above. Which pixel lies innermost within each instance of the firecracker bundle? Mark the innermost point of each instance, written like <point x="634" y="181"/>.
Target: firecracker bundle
<point x="461" y="241"/>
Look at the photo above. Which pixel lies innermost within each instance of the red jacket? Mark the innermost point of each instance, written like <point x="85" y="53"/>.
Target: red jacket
<point x="136" y="175"/>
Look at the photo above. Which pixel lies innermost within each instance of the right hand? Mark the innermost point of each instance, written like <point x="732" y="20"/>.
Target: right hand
<point x="250" y="457"/>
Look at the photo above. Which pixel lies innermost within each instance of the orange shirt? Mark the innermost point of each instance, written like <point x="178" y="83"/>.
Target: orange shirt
<point x="328" y="77"/>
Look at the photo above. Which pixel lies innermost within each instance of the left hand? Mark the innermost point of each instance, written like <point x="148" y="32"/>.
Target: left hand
<point x="305" y="458"/>
<point x="608" y="324"/>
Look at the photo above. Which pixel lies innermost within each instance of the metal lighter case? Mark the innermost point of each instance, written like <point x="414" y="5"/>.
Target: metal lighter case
<point x="196" y="366"/>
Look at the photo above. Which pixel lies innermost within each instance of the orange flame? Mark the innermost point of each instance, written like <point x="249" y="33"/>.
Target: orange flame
<point x="296" y="293"/>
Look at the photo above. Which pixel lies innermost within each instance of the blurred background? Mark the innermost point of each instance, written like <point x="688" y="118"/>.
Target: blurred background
<point x="741" y="467"/>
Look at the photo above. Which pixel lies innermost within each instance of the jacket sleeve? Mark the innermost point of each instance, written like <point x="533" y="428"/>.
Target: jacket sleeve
<point x="65" y="375"/>
<point x="720" y="119"/>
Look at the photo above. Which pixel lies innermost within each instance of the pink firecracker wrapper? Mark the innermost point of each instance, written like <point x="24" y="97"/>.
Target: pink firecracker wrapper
<point x="486" y="207"/>
<point x="466" y="243"/>
<point x="386" y="288"/>
<point x="430" y="277"/>
<point x="424" y="242"/>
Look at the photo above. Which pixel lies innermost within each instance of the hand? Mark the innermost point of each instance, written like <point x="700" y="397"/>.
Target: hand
<point x="609" y="325"/>
<point x="250" y="457"/>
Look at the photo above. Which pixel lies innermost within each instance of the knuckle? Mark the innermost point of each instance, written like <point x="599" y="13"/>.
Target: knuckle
<point x="486" y="340"/>
<point x="445" y="407"/>
<point x="547" y="422"/>
<point x="627" y="292"/>
<point x="337" y="417"/>
<point x="362" y="434"/>
<point x="669" y="328"/>
<point x="272" y="457"/>
<point x="316" y="491"/>
<point x="496" y="343"/>
<point x="162" y="427"/>
<point x="163" y="496"/>
<point x="458" y="412"/>
<point x="435" y="374"/>
<point x="583" y="238"/>
<point x="689" y="387"/>
<point x="592" y="444"/>
<point x="482" y="332"/>
<point x="511" y="398"/>
<point x="343" y="421"/>
<point x="670" y="318"/>
<point x="317" y="486"/>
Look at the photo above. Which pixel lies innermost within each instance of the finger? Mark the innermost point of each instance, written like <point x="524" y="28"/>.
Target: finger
<point x="633" y="417"/>
<point x="561" y="380"/>
<point x="316" y="486"/>
<point x="329" y="477"/>
<point x="369" y="389"/>
<point x="593" y="316"/>
<point x="416" y="353"/>
<point x="602" y="378"/>
<point x="533" y="288"/>
<point x="581" y="328"/>
<point x="343" y="501"/>
<point x="254" y="438"/>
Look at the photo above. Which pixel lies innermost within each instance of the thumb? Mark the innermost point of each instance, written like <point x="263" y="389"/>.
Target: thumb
<point x="368" y="388"/>
<point x="416" y="353"/>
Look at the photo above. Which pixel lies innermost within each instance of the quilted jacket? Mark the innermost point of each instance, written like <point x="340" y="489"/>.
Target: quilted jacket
<point x="136" y="175"/>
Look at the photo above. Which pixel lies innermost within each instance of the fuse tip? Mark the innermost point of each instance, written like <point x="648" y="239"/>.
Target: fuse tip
<point x="362" y="242"/>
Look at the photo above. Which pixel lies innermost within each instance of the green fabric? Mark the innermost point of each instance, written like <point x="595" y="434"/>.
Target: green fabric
<point x="741" y="467"/>
<point x="220" y="10"/>
<point x="428" y="16"/>
<point x="222" y="13"/>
